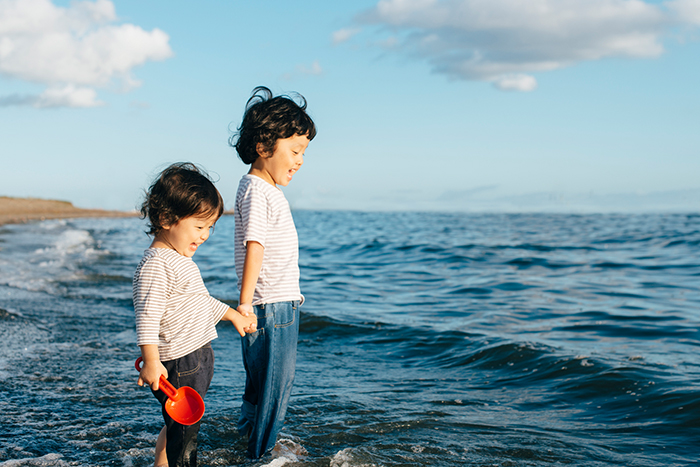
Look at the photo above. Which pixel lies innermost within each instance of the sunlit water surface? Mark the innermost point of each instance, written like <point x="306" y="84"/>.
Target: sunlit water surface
<point x="426" y="339"/>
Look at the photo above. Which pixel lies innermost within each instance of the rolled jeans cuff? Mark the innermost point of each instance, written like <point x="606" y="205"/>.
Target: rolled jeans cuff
<point x="245" y="423"/>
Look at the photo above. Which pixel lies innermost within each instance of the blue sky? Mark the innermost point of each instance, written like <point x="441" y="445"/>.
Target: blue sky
<point x="579" y="105"/>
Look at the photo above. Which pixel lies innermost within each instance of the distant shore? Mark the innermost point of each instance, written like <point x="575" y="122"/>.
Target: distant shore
<point x="23" y="210"/>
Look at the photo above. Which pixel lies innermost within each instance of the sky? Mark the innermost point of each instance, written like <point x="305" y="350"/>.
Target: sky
<point x="457" y="105"/>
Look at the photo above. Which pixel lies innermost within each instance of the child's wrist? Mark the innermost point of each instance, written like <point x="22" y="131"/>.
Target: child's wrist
<point x="245" y="309"/>
<point x="150" y="354"/>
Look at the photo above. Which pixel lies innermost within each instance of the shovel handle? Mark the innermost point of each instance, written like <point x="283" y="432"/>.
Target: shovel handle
<point x="163" y="384"/>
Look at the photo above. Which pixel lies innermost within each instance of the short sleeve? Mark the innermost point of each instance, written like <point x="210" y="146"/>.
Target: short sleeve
<point x="152" y="288"/>
<point x="253" y="207"/>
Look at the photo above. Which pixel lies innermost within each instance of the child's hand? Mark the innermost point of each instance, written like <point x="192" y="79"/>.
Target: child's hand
<point x="150" y="374"/>
<point x="250" y="324"/>
<point x="246" y="309"/>
<point x="243" y="324"/>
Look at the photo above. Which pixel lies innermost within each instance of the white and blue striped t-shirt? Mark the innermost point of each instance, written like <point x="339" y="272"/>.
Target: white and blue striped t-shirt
<point x="173" y="307"/>
<point x="262" y="215"/>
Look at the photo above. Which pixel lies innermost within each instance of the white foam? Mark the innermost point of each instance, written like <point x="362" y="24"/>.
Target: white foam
<point x="129" y="457"/>
<point x="285" y="451"/>
<point x="49" y="460"/>
<point x="278" y="462"/>
<point x="43" y="256"/>
<point x="68" y="242"/>
<point x="583" y="360"/>
<point x="345" y="458"/>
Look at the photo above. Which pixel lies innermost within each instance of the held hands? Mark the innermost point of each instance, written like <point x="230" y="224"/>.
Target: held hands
<point x="150" y="374"/>
<point x="243" y="319"/>
<point x="245" y="309"/>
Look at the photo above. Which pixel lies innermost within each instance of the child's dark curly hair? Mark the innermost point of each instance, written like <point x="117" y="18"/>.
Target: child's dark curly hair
<point x="267" y="119"/>
<point x="182" y="190"/>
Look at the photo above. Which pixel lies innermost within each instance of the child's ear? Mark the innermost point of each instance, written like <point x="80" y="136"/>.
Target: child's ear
<point x="260" y="149"/>
<point x="164" y="223"/>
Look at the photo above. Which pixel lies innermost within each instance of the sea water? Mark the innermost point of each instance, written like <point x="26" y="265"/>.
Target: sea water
<point x="426" y="339"/>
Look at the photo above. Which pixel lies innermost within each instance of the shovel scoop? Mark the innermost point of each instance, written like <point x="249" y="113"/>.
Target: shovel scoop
<point x="184" y="405"/>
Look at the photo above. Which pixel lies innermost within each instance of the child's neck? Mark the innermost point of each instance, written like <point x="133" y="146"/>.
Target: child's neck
<point x="262" y="174"/>
<point x="160" y="242"/>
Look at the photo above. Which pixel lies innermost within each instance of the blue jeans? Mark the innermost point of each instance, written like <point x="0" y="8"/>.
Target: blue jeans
<point x="269" y="358"/>
<point x="194" y="370"/>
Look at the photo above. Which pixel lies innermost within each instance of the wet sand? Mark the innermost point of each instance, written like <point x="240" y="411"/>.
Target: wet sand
<point x="22" y="210"/>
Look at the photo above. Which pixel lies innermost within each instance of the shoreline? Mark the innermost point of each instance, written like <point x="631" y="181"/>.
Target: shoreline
<point x="24" y="210"/>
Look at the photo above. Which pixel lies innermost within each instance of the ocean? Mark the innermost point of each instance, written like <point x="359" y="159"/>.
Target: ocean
<point x="427" y="339"/>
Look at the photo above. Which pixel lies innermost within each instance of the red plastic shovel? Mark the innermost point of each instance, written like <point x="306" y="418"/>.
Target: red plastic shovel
<point x="184" y="405"/>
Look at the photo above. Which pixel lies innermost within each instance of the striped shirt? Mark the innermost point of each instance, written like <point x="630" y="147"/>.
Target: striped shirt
<point x="263" y="215"/>
<point x="173" y="307"/>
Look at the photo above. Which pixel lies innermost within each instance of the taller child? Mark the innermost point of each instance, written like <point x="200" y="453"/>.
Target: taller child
<point x="272" y="138"/>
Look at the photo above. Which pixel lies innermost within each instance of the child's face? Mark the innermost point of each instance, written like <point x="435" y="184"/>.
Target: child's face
<point x="288" y="156"/>
<point x="186" y="235"/>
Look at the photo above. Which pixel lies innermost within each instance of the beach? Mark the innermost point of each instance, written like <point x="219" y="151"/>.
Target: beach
<point x="23" y="210"/>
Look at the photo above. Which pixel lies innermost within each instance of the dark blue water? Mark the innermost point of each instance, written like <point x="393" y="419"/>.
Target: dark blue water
<point x="426" y="339"/>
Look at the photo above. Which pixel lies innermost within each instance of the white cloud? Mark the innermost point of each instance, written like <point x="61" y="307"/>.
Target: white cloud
<point x="66" y="96"/>
<point x="343" y="35"/>
<point x="55" y="97"/>
<point x="73" y="50"/>
<point x="315" y="69"/>
<point x="504" y="41"/>
<point x="516" y="83"/>
<point x="686" y="10"/>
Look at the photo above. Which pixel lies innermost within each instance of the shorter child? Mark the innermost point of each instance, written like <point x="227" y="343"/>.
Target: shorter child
<point x="175" y="315"/>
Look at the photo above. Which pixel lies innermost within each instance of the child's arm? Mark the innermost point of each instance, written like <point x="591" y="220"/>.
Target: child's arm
<point x="152" y="368"/>
<point x="243" y="324"/>
<point x="151" y="291"/>
<point x="251" y="271"/>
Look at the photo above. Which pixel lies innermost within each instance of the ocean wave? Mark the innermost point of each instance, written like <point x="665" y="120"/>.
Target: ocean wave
<point x="425" y="339"/>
